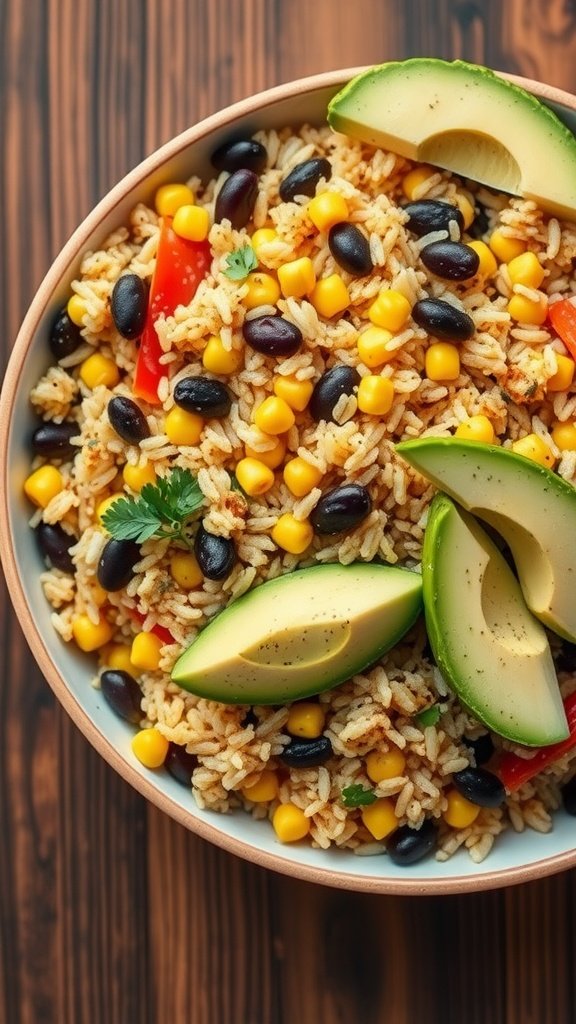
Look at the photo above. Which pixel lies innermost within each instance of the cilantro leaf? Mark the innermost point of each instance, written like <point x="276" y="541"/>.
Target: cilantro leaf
<point x="357" y="796"/>
<point x="161" y="510"/>
<point x="429" y="716"/>
<point x="240" y="262"/>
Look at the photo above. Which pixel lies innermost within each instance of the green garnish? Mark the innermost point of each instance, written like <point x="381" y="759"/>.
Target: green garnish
<point x="240" y="262"/>
<point x="357" y="796"/>
<point x="429" y="716"/>
<point x="162" y="510"/>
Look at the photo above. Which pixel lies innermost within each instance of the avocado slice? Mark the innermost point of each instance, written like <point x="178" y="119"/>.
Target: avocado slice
<point x="467" y="119"/>
<point x="494" y="654"/>
<point x="301" y="633"/>
<point x="530" y="506"/>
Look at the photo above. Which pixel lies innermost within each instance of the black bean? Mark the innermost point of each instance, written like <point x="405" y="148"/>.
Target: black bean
<point x="272" y="335"/>
<point x="482" y="747"/>
<point x="303" y="179"/>
<point x="301" y="753"/>
<point x="432" y="215"/>
<point x="480" y="787"/>
<point x="443" y="320"/>
<point x="216" y="556"/>
<point x="350" y="249"/>
<point x="566" y="657"/>
<point x="129" y="305"/>
<point x="568" y="793"/>
<point x="123" y="694"/>
<point x="52" y="440"/>
<point x="116" y="565"/>
<point x="408" y="845"/>
<point x="180" y="764"/>
<point x="342" y="508"/>
<point x="203" y="395"/>
<point x="235" y="200"/>
<point x="450" y="260"/>
<point x="338" y="381"/>
<point x="128" y="420"/>
<point x="240" y="153"/>
<point x="479" y="226"/>
<point x="64" y="337"/>
<point x="55" y="544"/>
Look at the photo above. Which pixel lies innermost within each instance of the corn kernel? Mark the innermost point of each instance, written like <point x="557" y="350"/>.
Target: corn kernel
<point x="488" y="265"/>
<point x="379" y="818"/>
<point x="442" y="361"/>
<point x="562" y="379"/>
<point x="532" y="446"/>
<point x="413" y="181"/>
<point x="76" y="309"/>
<point x="292" y="535"/>
<point x="375" y="395"/>
<point x="104" y="505"/>
<point x="117" y="656"/>
<point x="564" y="436"/>
<point x="185" y="571"/>
<point x="306" y="720"/>
<point x="263" y="290"/>
<point x="150" y="747"/>
<point x="271" y="457"/>
<point x="466" y="209"/>
<point x="98" y="594"/>
<point x="327" y="209"/>
<point x="217" y="359"/>
<point x="254" y="476"/>
<point x="264" y="790"/>
<point x="89" y="636"/>
<point x="526" y="311"/>
<point x="526" y="269"/>
<point x="169" y="198"/>
<point x="274" y="416"/>
<point x="192" y="222"/>
<point x="297" y="278"/>
<point x="460" y="812"/>
<point x="99" y="369"/>
<point x="330" y="296"/>
<point x="43" y="484"/>
<point x="296" y="393"/>
<point x="145" y="651"/>
<point x="385" y="764"/>
<point x="182" y="427"/>
<point x="262" y="236"/>
<point x="476" y="428"/>
<point x="373" y="347"/>
<point x="390" y="310"/>
<point x="301" y="477"/>
<point x="135" y="477"/>
<point x="504" y="247"/>
<point x="290" y="823"/>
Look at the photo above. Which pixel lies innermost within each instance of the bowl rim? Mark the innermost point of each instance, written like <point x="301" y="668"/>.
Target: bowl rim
<point x="330" y="875"/>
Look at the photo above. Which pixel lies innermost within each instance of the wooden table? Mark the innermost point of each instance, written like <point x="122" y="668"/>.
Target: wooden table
<point x="109" y="912"/>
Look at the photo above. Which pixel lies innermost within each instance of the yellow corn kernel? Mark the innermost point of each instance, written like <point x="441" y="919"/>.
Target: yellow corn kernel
<point x="254" y="476"/>
<point x="185" y="571"/>
<point x="262" y="236"/>
<point x="306" y="720"/>
<point x="272" y="457"/>
<point x="533" y="447"/>
<point x="263" y="290"/>
<point x="379" y="818"/>
<point x="274" y="416"/>
<point x="373" y="347"/>
<point x="98" y="594"/>
<point x="385" y="764"/>
<point x="476" y="428"/>
<point x="442" y="361"/>
<point x="488" y="265"/>
<point x="169" y="198"/>
<point x="297" y="278"/>
<point x="296" y="393"/>
<point x="135" y="477"/>
<point x="330" y="296"/>
<point x="292" y="535"/>
<point x="390" y="310"/>
<point x="43" y="484"/>
<point x="526" y="311"/>
<point x="192" y="222"/>
<point x="413" y="181"/>
<point x="264" y="790"/>
<point x="99" y="369"/>
<point x="327" y="209"/>
<point x="76" y="309"/>
<point x="466" y="209"/>
<point x="145" y="651"/>
<point x="375" y="395"/>
<point x="118" y="656"/>
<point x="89" y="636"/>
<point x="182" y="427"/>
<point x="564" y="436"/>
<point x="460" y="812"/>
<point x="301" y="477"/>
<point x="504" y="247"/>
<point x="290" y="823"/>
<point x="150" y="747"/>
<point x="526" y="269"/>
<point x="218" y="359"/>
<point x="104" y="505"/>
<point x="562" y="379"/>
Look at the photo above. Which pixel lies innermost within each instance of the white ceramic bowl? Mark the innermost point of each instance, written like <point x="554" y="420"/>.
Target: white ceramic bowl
<point x="515" y="858"/>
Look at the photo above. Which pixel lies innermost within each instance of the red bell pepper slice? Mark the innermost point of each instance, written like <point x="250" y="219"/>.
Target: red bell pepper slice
<point x="562" y="316"/>
<point x="161" y="632"/>
<point x="514" y="771"/>
<point x="180" y="266"/>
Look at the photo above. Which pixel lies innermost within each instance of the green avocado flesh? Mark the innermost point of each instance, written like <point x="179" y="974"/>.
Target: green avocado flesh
<point x="301" y="633"/>
<point x="532" y="508"/>
<point x="466" y="119"/>
<point x="493" y="653"/>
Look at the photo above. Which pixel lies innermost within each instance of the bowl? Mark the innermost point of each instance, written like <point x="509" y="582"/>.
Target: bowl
<point x="514" y="858"/>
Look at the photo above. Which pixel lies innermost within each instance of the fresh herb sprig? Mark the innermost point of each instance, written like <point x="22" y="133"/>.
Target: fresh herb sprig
<point x="163" y="510"/>
<point x="240" y="262"/>
<point x="357" y="796"/>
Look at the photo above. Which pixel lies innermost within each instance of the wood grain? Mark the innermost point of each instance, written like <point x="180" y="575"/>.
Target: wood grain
<point x="110" y="912"/>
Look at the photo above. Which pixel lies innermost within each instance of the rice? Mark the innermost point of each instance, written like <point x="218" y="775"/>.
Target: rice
<point x="503" y="375"/>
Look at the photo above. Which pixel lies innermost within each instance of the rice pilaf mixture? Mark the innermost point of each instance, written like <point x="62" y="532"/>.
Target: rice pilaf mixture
<point x="507" y="373"/>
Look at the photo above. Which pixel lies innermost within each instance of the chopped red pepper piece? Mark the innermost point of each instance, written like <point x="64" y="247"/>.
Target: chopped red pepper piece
<point x="161" y="632"/>
<point x="562" y="316"/>
<point x="514" y="771"/>
<point x="180" y="266"/>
